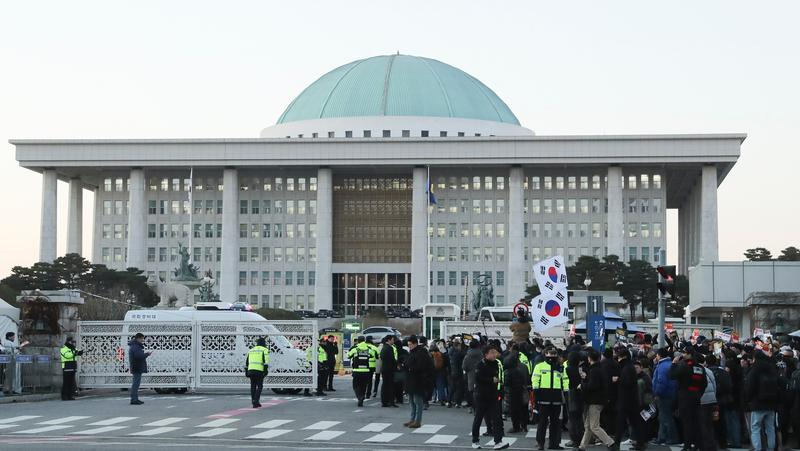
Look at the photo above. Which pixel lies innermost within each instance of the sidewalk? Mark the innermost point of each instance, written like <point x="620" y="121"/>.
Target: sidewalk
<point x="28" y="397"/>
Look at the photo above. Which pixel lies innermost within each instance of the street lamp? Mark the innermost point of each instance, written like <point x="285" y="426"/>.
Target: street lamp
<point x="587" y="281"/>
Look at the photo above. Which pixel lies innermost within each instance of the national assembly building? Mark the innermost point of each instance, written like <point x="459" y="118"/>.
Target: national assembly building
<point x="391" y="181"/>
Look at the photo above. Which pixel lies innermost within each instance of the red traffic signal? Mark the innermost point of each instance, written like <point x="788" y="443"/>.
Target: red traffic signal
<point x="666" y="284"/>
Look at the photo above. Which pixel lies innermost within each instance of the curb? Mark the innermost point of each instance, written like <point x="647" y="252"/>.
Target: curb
<point x="29" y="398"/>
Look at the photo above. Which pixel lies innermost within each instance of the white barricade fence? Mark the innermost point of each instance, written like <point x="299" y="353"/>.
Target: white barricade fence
<point x="197" y="354"/>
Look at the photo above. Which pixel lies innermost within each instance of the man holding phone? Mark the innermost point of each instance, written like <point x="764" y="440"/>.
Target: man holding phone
<point x="137" y="359"/>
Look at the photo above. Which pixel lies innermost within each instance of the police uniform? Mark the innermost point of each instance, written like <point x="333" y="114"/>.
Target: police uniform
<point x="360" y="356"/>
<point x="549" y="382"/>
<point x="373" y="364"/>
<point x="257" y="368"/>
<point x="322" y="369"/>
<point x="69" y="366"/>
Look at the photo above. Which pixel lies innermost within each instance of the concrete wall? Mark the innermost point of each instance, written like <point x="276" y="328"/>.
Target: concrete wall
<point x="728" y="284"/>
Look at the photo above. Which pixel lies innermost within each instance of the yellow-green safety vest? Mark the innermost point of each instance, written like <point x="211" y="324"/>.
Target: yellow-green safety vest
<point x="360" y="356"/>
<point x="545" y="377"/>
<point x="67" y="355"/>
<point x="322" y="354"/>
<point x="257" y="358"/>
<point x="373" y="358"/>
<point x="501" y="375"/>
<point x="523" y="359"/>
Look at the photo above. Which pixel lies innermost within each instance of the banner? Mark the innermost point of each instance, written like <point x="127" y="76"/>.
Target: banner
<point x="551" y="307"/>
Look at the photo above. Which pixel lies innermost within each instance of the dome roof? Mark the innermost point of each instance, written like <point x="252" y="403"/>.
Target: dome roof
<point x="398" y="85"/>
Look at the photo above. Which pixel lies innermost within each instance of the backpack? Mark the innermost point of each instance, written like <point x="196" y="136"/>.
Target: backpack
<point x="438" y="361"/>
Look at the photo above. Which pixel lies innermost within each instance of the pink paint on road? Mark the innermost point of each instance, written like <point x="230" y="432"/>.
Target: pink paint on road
<point x="242" y="411"/>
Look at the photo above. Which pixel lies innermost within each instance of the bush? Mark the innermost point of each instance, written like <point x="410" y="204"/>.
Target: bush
<point x="278" y="314"/>
<point x="102" y="310"/>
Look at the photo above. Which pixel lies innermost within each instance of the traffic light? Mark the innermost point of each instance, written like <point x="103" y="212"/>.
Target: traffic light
<point x="667" y="282"/>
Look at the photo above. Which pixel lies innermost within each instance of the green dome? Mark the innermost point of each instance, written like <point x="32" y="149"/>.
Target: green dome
<point x="398" y="85"/>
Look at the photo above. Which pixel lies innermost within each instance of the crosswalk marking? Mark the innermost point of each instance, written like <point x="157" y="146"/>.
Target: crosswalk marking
<point x="101" y="430"/>
<point x="428" y="429"/>
<point x="156" y="431"/>
<point x="509" y="440"/>
<point x="531" y="434"/>
<point x="166" y="421"/>
<point x="272" y="433"/>
<point x="43" y="429"/>
<point x="383" y="437"/>
<point x="7" y="426"/>
<point x="201" y="400"/>
<point x="18" y="419"/>
<point x="271" y="424"/>
<point x="375" y="427"/>
<point x="321" y="425"/>
<point x="113" y="421"/>
<point x="441" y="439"/>
<point x="325" y="435"/>
<point x="218" y="423"/>
<point x="213" y="432"/>
<point x="65" y="420"/>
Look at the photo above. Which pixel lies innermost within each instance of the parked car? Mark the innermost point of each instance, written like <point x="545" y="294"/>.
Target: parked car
<point x="304" y="313"/>
<point x="337" y="314"/>
<point x="379" y="332"/>
<point x="324" y="313"/>
<point x="405" y="313"/>
<point x="416" y="313"/>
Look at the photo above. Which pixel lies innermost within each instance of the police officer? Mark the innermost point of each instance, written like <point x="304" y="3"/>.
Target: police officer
<point x="549" y="383"/>
<point x="257" y="365"/>
<point x="388" y="367"/>
<point x="69" y="364"/>
<point x="373" y="364"/>
<point x="360" y="355"/>
<point x="322" y="369"/>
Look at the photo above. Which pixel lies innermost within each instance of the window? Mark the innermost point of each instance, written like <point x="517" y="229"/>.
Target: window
<point x="487" y="206"/>
<point x="571" y="183"/>
<point x="632" y="230"/>
<point x="631" y="182"/>
<point x="107" y="231"/>
<point x="500" y="229"/>
<point x="387" y="133"/>
<point x="656" y="230"/>
<point x="439" y="278"/>
<point x="559" y="230"/>
<point x="595" y="230"/>
<point x="301" y="278"/>
<point x="536" y="206"/>
<point x="107" y="185"/>
<point x="656" y="254"/>
<point x="151" y="231"/>
<point x="242" y="254"/>
<point x="152" y="207"/>
<point x="632" y="205"/>
<point x="348" y="134"/>
<point x="151" y="254"/>
<point x="312" y="278"/>
<point x="560" y="183"/>
<point x="571" y="230"/>
<point x="500" y="183"/>
<point x="288" y="278"/>
<point x="645" y="205"/>
<point x="242" y="278"/>
<point x="405" y="133"/>
<point x="632" y="253"/>
<point x="559" y="205"/>
<point x="644" y="230"/>
<point x="548" y="206"/>
<point x="367" y="134"/>
<point x="118" y="207"/>
<point x="500" y="252"/>
<point x="500" y="277"/>
<point x="656" y="181"/>
<point x="657" y="205"/>
<point x="646" y="253"/>
<point x="424" y="133"/>
<point x="534" y="230"/>
<point x="118" y="231"/>
<point x="584" y="182"/>
<point x="645" y="185"/>
<point x="548" y="230"/>
<point x="572" y="205"/>
<point x="584" y="206"/>
<point x="162" y="254"/>
<point x="452" y="278"/>
<point x="500" y="205"/>
<point x="242" y="230"/>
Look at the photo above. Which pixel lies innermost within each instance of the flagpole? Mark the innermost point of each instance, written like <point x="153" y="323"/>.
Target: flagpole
<point x="191" y="214"/>
<point x="428" y="235"/>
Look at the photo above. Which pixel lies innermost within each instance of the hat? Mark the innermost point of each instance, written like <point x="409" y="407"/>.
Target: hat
<point x="787" y="349"/>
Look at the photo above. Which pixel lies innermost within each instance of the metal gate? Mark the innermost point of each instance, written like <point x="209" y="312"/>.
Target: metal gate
<point x="197" y="354"/>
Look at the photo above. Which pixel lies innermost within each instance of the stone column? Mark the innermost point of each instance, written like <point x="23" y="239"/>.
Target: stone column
<point x="48" y="230"/>
<point x="229" y="278"/>
<point x="681" y="240"/>
<point x="137" y="219"/>
<point x="615" y="214"/>
<point x="709" y="238"/>
<point x="75" y="218"/>
<point x="419" y="239"/>
<point x="324" y="286"/>
<point x="516" y="260"/>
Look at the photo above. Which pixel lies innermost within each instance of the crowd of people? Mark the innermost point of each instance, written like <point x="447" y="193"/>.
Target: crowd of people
<point x="697" y="393"/>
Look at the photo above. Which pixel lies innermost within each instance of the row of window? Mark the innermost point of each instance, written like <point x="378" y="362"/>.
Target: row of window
<point x="384" y="134"/>
<point x="277" y="278"/>
<point x="278" y="301"/>
<point x="386" y="183"/>
<point x="474" y="183"/>
<point x="581" y="230"/>
<point x="536" y="254"/>
<point x="177" y="184"/>
<point x="499" y="300"/>
<point x="277" y="230"/>
<point x="454" y="278"/>
<point x="477" y="254"/>
<point x="465" y="230"/>
<point x="277" y="254"/>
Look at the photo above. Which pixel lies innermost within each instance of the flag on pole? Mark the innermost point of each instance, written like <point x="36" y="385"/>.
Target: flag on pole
<point x="431" y="196"/>
<point x="551" y="307"/>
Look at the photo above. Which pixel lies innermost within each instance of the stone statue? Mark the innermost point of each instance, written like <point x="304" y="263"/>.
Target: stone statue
<point x="187" y="271"/>
<point x="169" y="292"/>
<point x="206" y="290"/>
<point x="484" y="296"/>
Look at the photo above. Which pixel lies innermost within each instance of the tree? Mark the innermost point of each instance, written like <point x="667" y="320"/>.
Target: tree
<point x="639" y="286"/>
<point x="677" y="307"/>
<point x="70" y="269"/>
<point x="758" y="254"/>
<point x="790" y="254"/>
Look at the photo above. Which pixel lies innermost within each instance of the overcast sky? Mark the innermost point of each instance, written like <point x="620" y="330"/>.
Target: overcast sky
<point x="187" y="69"/>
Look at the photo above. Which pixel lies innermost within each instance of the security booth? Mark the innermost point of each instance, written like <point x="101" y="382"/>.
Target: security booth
<point x="434" y="314"/>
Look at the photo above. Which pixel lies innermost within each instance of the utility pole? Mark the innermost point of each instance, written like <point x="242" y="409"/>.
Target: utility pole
<point x="666" y="288"/>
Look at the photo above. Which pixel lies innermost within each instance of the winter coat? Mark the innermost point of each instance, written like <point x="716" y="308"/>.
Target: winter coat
<point x="627" y="387"/>
<point x="485" y="386"/>
<point x="332" y="350"/>
<point x="419" y="368"/>
<point x="516" y="375"/>
<point x="690" y="377"/>
<point x="610" y="369"/>
<point x="593" y="388"/>
<point x="469" y="364"/>
<point x="710" y="393"/>
<point x="137" y="357"/>
<point x="663" y="386"/>
<point x="456" y="361"/>
<point x="761" y="385"/>
<point x="388" y="364"/>
<point x="575" y="398"/>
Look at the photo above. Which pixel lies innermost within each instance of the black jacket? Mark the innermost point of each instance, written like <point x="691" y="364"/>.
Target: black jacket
<point x="516" y="374"/>
<point x="485" y="386"/>
<point x="627" y="387"/>
<point x="610" y="369"/>
<point x="388" y="362"/>
<point x="332" y="350"/>
<point x="761" y="386"/>
<point x="419" y="368"/>
<point x="456" y="361"/>
<point x="593" y="388"/>
<point x="691" y="381"/>
<point x="137" y="357"/>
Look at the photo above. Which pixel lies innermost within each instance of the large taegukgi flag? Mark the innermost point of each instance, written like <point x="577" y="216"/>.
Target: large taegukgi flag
<point x="551" y="307"/>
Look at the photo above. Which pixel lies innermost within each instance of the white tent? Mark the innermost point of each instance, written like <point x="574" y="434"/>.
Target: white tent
<point x="9" y="318"/>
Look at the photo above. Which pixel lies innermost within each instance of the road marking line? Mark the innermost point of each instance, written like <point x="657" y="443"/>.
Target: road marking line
<point x="272" y="433"/>
<point x="166" y="421"/>
<point x="531" y="434"/>
<point x="383" y="437"/>
<point x="44" y="429"/>
<point x="65" y="420"/>
<point x="243" y="410"/>
<point x="218" y="423"/>
<point x="19" y="419"/>
<point x="441" y="439"/>
<point x="202" y="400"/>
<point x="428" y="429"/>
<point x="375" y="427"/>
<point x="112" y="421"/>
<point x="156" y="431"/>
<point x="272" y="424"/>
<point x="325" y="435"/>
<point x="99" y="430"/>
<point x="8" y="426"/>
<point x="509" y="440"/>
<point x="357" y="411"/>
<point x="320" y="425"/>
<point x="213" y="432"/>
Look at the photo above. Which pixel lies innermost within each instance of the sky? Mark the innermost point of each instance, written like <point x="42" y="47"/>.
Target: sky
<point x="190" y="69"/>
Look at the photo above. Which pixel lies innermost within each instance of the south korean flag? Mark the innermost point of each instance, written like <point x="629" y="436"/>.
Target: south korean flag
<point x="551" y="275"/>
<point x="550" y="310"/>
